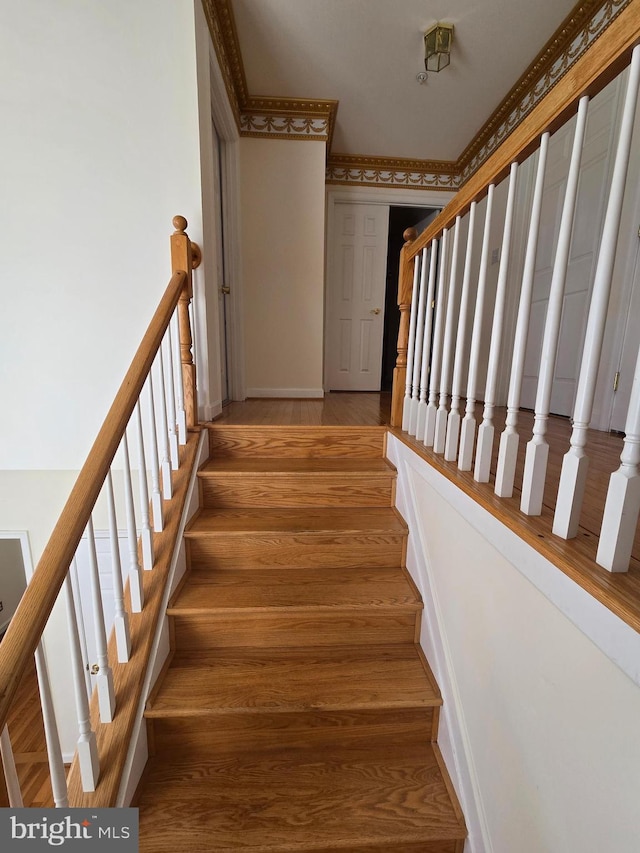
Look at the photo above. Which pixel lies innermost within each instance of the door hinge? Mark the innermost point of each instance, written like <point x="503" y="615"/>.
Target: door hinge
<point x="616" y="379"/>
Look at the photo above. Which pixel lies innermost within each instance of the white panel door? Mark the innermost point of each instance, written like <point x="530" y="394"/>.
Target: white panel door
<point x="357" y="265"/>
<point x="587" y="228"/>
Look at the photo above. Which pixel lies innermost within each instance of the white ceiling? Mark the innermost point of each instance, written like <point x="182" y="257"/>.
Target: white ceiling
<point x="366" y="54"/>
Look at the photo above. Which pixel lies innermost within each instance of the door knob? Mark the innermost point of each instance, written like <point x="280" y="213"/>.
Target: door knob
<point x="226" y="290"/>
<point x="375" y="310"/>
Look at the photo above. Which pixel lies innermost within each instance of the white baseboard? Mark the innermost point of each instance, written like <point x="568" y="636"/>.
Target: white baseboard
<point x="211" y="411"/>
<point x="292" y="393"/>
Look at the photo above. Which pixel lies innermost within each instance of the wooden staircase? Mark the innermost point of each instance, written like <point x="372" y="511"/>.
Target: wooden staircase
<point x="297" y="712"/>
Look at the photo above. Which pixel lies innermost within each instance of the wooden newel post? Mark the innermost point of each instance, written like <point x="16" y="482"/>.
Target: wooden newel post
<point x="185" y="257"/>
<point x="405" y="287"/>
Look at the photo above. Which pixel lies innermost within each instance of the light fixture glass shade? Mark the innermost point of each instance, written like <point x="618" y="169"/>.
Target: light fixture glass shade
<point x="437" y="46"/>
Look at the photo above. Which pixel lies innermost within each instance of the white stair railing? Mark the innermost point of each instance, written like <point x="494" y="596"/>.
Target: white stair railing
<point x="468" y="430"/>
<point x="437" y="352"/>
<point x="447" y="346"/>
<point x="453" y="421"/>
<point x="535" y="466"/>
<point x="57" y="570"/>
<point x="574" y="465"/>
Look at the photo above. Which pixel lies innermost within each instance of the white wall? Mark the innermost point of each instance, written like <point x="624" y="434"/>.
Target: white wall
<point x="100" y="145"/>
<point x="542" y="725"/>
<point x="283" y="220"/>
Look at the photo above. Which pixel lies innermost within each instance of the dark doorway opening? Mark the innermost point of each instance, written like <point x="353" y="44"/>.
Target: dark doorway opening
<point x="400" y="218"/>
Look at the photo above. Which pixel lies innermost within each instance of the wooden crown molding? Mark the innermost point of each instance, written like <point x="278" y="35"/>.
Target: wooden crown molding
<point x="587" y="21"/>
<point x="294" y="118"/>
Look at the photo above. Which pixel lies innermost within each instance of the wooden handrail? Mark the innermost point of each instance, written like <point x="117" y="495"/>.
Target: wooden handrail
<point x="30" y="618"/>
<point x="603" y="61"/>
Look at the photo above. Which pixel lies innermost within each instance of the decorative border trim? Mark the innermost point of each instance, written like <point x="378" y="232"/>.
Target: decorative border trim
<point x="282" y="118"/>
<point x="576" y="34"/>
<point x="388" y="171"/>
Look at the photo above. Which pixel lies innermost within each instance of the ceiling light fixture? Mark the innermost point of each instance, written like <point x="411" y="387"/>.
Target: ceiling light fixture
<point x="437" y="46"/>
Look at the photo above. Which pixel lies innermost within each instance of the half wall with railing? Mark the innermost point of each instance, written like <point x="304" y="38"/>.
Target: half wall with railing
<point x="457" y="338"/>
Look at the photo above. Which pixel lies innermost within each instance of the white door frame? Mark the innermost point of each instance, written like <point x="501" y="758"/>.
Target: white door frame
<point x="214" y="106"/>
<point x="369" y="195"/>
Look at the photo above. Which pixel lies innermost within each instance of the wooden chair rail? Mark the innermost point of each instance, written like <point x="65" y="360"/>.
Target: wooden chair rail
<point x="27" y="625"/>
<point x="603" y="61"/>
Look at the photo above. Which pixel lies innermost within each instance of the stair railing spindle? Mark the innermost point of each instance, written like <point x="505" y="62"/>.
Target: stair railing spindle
<point x="622" y="505"/>
<point x="146" y="534"/>
<point x="426" y="344"/>
<point x="136" y="591"/>
<point x="575" y="463"/>
<point x="509" y="440"/>
<point x="156" y="495"/>
<point x="121" y="617"/>
<point x="484" y="449"/>
<point x="468" y="429"/>
<point x="10" y="773"/>
<point x="101" y="669"/>
<point x="406" y="405"/>
<point x="453" y="421"/>
<point x="535" y="465"/>
<point x="417" y="358"/>
<point x="77" y="598"/>
<point x="171" y="401"/>
<point x="447" y="349"/>
<point x="57" y="774"/>
<point x="165" y="453"/>
<point x="86" y="745"/>
<point x="438" y="332"/>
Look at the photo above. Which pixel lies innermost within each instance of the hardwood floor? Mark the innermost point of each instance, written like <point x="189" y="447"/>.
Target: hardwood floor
<point x="338" y="408"/>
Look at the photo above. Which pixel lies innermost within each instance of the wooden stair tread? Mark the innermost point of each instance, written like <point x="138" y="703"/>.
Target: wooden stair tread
<point x="298" y="441"/>
<point x="280" y="679"/>
<point x="337" y="797"/>
<point x="287" y="466"/>
<point x="335" y="520"/>
<point x="228" y="590"/>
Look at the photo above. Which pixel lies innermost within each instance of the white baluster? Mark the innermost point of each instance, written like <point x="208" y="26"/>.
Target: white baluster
<point x="573" y="477"/>
<point x="535" y="464"/>
<point x="121" y="618"/>
<point x="87" y="746"/>
<point x="156" y="495"/>
<point x="484" y="449"/>
<point x="468" y="432"/>
<point x="453" y="421"/>
<point x="417" y="358"/>
<point x="421" y="418"/>
<point x="82" y="635"/>
<point x="622" y="506"/>
<point x="146" y="534"/>
<point x="171" y="402"/>
<point x="57" y="773"/>
<point x="438" y="332"/>
<point x="101" y="669"/>
<point x="447" y="349"/>
<point x="165" y="453"/>
<point x="10" y="772"/>
<point x="136" y="591"/>
<point x="181" y="415"/>
<point x="509" y="440"/>
<point x="406" y="405"/>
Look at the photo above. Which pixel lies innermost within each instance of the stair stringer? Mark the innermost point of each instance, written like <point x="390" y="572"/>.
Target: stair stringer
<point x="453" y="737"/>
<point x="138" y="752"/>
